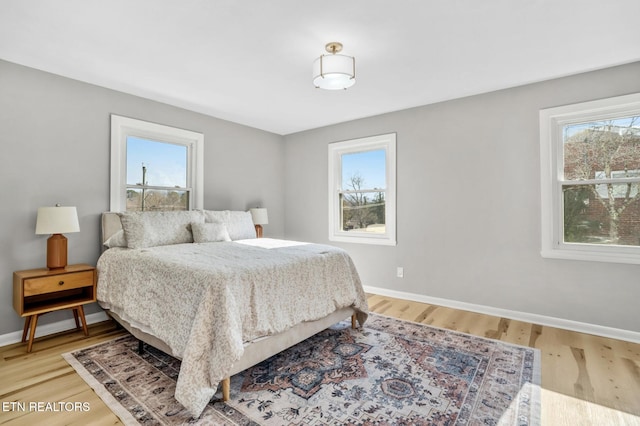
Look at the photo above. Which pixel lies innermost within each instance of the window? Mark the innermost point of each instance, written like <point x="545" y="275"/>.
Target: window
<point x="155" y="167"/>
<point x="362" y="190"/>
<point x="590" y="170"/>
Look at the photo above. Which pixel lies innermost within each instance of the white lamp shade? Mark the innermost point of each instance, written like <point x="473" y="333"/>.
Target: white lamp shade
<point x="259" y="216"/>
<point x="334" y="72"/>
<point x="57" y="220"/>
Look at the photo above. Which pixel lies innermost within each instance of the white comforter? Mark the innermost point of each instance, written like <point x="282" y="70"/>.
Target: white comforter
<point x="205" y="300"/>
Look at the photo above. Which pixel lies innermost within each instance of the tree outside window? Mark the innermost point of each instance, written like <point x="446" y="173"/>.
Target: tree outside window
<point x="608" y="152"/>
<point x="363" y="191"/>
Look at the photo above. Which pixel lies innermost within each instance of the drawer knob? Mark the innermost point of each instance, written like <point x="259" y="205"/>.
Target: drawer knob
<point x="60" y="282"/>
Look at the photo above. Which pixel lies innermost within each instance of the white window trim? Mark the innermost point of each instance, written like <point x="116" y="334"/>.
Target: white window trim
<point x="552" y="121"/>
<point x="122" y="127"/>
<point x="336" y="150"/>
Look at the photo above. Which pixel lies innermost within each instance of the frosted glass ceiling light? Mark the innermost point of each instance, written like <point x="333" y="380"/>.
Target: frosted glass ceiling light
<point x="333" y="71"/>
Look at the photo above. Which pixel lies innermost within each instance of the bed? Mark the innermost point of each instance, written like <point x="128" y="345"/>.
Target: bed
<point x="201" y="287"/>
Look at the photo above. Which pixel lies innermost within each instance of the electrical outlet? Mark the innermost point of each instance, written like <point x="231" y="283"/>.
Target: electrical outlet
<point x="400" y="272"/>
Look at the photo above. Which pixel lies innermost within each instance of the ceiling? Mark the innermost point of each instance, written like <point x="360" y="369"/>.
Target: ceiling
<point x="250" y="61"/>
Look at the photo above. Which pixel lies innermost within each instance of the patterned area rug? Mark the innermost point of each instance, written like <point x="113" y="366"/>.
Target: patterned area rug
<point x="391" y="372"/>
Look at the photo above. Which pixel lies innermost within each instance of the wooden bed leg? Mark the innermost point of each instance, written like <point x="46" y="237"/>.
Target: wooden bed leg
<point x="140" y="347"/>
<point x="354" y="325"/>
<point x="226" y="389"/>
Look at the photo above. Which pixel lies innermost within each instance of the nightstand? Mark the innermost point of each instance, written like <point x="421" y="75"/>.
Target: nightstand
<point x="39" y="291"/>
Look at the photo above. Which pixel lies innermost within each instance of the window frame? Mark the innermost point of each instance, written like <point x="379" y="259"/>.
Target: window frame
<point x="123" y="127"/>
<point x="552" y="121"/>
<point x="386" y="142"/>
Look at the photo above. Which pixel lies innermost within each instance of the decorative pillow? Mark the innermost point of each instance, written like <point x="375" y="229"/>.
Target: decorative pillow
<point x="209" y="232"/>
<point x="116" y="240"/>
<point x="240" y="226"/>
<point x="150" y="229"/>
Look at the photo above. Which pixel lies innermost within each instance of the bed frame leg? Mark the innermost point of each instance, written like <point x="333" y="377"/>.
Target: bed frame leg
<point x="226" y="389"/>
<point x="140" y="347"/>
<point x="354" y="325"/>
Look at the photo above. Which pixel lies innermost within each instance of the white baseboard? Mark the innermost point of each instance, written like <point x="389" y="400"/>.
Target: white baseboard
<point x="55" y="327"/>
<point x="581" y="327"/>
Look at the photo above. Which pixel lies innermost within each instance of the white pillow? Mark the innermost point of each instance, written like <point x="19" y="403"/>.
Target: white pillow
<point x="150" y="229"/>
<point x="240" y="226"/>
<point x="221" y="216"/>
<point x="209" y="232"/>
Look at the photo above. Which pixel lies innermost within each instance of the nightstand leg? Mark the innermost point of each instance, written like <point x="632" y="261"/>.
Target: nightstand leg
<point x="32" y="333"/>
<point x="83" y="319"/>
<point x="226" y="388"/>
<point x="75" y="317"/>
<point x="27" y="320"/>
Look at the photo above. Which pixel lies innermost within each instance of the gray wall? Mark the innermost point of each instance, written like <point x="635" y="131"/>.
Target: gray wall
<point x="468" y="189"/>
<point x="55" y="148"/>
<point x="468" y="204"/>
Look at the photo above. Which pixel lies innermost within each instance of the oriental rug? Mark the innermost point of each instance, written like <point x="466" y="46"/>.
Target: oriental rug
<point x="389" y="372"/>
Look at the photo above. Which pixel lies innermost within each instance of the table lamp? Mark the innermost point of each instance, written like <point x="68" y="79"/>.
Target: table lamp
<point x="260" y="217"/>
<point x="56" y="221"/>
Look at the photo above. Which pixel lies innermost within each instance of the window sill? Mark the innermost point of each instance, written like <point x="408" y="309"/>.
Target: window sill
<point x="363" y="239"/>
<point x="591" y="255"/>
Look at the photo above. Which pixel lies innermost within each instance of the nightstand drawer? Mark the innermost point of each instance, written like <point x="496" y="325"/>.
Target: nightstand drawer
<point x="55" y="283"/>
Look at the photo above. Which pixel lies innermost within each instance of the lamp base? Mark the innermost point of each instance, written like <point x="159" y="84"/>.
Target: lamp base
<point x="258" y="231"/>
<point x="57" y="251"/>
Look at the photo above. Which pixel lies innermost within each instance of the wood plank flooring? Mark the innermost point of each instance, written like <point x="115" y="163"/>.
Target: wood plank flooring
<point x="586" y="380"/>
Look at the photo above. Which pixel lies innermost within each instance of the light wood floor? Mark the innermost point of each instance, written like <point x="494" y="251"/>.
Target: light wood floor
<point x="586" y="380"/>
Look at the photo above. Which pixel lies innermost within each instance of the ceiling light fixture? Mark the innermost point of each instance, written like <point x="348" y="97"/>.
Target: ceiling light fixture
<point x="334" y="71"/>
